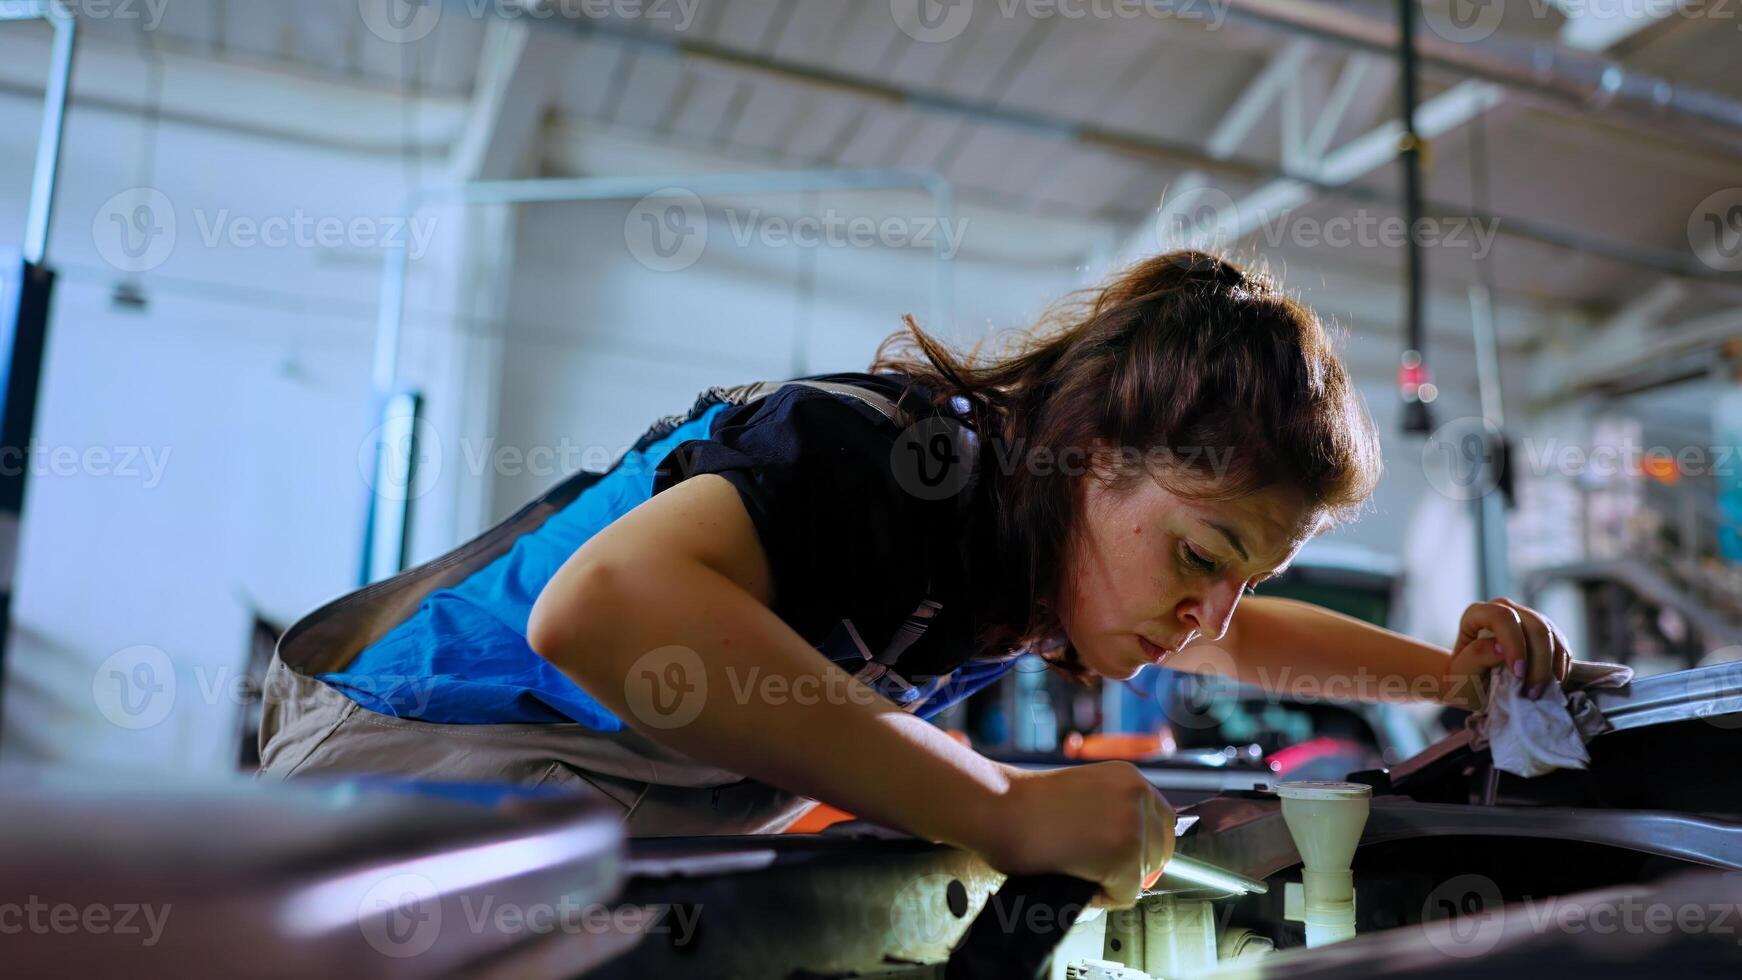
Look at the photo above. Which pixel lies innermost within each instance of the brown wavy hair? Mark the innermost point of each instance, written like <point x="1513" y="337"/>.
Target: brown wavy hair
<point x="1185" y="357"/>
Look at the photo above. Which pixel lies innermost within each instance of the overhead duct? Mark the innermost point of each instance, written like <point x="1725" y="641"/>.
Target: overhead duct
<point x="1561" y="74"/>
<point x="1146" y="147"/>
<point x="1557" y="73"/>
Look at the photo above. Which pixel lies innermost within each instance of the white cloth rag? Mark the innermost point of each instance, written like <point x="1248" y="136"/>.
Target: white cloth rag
<point x="1528" y="738"/>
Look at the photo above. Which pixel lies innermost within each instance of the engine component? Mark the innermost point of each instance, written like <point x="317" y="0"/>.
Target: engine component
<point x="1325" y="819"/>
<point x="1102" y="970"/>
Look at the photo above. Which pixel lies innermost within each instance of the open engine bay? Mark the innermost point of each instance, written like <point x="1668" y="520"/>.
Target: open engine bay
<point x="1437" y="867"/>
<point x="1629" y="867"/>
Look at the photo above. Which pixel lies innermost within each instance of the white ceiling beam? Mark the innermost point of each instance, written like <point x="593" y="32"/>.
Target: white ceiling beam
<point x="1179" y="195"/>
<point x="1605" y="359"/>
<point x="520" y="66"/>
<point x="996" y="233"/>
<point x="1265" y="89"/>
<point x="518" y="72"/>
<point x="1604" y="349"/>
<point x="1355" y="159"/>
<point x="1599" y="26"/>
<point x="1434" y="117"/>
<point x="1647" y="309"/>
<point x="1308" y="90"/>
<point x="1356" y="69"/>
<point x="236" y="96"/>
<point x="1277" y="76"/>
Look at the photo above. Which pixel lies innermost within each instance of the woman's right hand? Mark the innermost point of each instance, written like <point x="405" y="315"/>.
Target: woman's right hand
<point x="1103" y="822"/>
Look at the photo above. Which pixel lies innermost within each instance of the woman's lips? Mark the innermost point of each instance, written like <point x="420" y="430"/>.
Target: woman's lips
<point x="1154" y="654"/>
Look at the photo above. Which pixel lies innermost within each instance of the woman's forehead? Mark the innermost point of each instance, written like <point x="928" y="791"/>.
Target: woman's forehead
<point x="1264" y="528"/>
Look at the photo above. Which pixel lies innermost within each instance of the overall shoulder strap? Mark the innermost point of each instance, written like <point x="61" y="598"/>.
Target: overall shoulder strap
<point x="878" y="402"/>
<point x="881" y="668"/>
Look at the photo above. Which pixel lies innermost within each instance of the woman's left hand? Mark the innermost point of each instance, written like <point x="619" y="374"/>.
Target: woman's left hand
<point x="1503" y="632"/>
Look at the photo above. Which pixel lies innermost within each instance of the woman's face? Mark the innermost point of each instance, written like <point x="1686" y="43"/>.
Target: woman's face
<point x="1150" y="571"/>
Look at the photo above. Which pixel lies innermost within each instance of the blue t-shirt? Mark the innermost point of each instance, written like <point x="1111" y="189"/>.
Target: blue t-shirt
<point x="852" y="551"/>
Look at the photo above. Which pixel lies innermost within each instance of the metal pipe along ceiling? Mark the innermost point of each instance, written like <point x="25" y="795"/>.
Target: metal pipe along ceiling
<point x="1588" y="80"/>
<point x="1560" y="74"/>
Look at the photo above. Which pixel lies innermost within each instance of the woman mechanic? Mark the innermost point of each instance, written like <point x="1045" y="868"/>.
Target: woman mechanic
<point x="1102" y="495"/>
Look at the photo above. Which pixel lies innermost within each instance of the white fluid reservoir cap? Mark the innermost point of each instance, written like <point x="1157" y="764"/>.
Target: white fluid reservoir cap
<point x="1323" y="789"/>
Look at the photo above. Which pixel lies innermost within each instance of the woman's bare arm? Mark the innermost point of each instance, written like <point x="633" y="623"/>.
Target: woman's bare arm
<point x="1303" y="650"/>
<point x="686" y="569"/>
<point x="1306" y="651"/>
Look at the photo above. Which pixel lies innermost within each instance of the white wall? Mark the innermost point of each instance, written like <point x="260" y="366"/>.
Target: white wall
<point x="599" y="344"/>
<point x="245" y="376"/>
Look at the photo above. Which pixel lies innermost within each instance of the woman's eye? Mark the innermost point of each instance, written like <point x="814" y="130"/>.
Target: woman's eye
<point x="1195" y="560"/>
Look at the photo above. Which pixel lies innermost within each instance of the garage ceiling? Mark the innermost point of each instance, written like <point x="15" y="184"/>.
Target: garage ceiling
<point x="1164" y="81"/>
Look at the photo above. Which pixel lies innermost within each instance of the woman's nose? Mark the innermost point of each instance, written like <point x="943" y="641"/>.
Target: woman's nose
<point x="1211" y="613"/>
